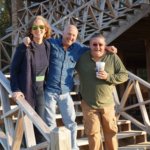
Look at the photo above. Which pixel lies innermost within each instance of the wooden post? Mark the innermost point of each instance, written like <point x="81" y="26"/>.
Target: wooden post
<point x="60" y="139"/>
<point x="14" y="21"/>
<point x="147" y="47"/>
<point x="15" y="6"/>
<point x="18" y="133"/>
<point x="9" y="128"/>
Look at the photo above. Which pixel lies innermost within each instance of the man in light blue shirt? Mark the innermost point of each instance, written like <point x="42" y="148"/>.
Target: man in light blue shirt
<point x="65" y="53"/>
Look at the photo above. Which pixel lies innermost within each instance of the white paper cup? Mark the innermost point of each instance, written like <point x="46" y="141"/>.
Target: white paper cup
<point x="100" y="66"/>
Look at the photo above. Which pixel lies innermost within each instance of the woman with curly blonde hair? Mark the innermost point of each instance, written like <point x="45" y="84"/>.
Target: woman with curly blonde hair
<point x="29" y="65"/>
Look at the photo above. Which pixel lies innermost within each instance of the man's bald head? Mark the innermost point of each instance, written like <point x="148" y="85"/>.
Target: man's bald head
<point x="70" y="34"/>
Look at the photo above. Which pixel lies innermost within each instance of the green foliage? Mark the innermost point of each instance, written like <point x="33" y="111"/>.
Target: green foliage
<point x="4" y="16"/>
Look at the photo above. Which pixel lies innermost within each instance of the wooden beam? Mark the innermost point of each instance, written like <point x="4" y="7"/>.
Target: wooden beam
<point x="29" y="131"/>
<point x="34" y="117"/>
<point x="142" y="107"/>
<point x="126" y="94"/>
<point x="8" y="122"/>
<point x="60" y="139"/>
<point x="3" y="139"/>
<point x="147" y="47"/>
<point x="18" y="133"/>
<point x="41" y="146"/>
<point x="134" y="121"/>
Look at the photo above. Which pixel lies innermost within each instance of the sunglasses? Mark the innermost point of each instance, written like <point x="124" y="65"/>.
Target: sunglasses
<point x="35" y="27"/>
<point x="97" y="44"/>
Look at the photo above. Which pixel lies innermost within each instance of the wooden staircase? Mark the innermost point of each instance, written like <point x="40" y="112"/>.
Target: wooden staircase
<point x="127" y="137"/>
<point x="25" y="117"/>
<point x="113" y="27"/>
<point x="11" y="113"/>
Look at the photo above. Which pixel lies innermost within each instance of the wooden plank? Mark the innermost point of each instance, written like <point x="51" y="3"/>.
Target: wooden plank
<point x="119" y="123"/>
<point x="25" y="107"/>
<point x="7" y="121"/>
<point x="34" y="117"/>
<point x="5" y="82"/>
<point x="100" y="16"/>
<point x="136" y="105"/>
<point x="3" y="140"/>
<point x="82" y="141"/>
<point x="10" y="112"/>
<point x="58" y="116"/>
<point x="134" y="121"/>
<point x="142" y="107"/>
<point x="109" y="3"/>
<point x="147" y="47"/>
<point x="126" y="94"/>
<point x="91" y="12"/>
<point x="18" y="133"/>
<point x="126" y="134"/>
<point x="29" y="131"/>
<point x="38" y="147"/>
<point x="72" y="13"/>
<point x="121" y="135"/>
<point x="139" y="146"/>
<point x="115" y="95"/>
<point x="60" y="139"/>
<point x="141" y="81"/>
<point x="132" y="19"/>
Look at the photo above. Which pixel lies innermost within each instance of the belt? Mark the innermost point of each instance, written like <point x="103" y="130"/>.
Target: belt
<point x="40" y="78"/>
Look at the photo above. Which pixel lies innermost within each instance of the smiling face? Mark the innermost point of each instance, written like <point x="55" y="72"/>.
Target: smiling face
<point x="97" y="46"/>
<point x="38" y="30"/>
<point x="69" y="35"/>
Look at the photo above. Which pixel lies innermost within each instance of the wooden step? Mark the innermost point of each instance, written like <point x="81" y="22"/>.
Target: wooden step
<point x="82" y="141"/>
<point x="78" y="114"/>
<point x="124" y="125"/>
<point x="122" y="135"/>
<point x="139" y="146"/>
<point x="119" y="123"/>
<point x="41" y="146"/>
<point x="126" y="134"/>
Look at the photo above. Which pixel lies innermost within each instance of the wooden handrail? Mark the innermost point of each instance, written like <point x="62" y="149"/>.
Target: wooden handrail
<point x="26" y="118"/>
<point x="133" y="84"/>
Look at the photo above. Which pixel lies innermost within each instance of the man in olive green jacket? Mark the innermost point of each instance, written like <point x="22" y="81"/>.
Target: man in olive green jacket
<point x="96" y="90"/>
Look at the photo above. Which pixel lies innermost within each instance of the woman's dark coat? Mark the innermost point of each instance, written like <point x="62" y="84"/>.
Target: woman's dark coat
<point x="23" y="73"/>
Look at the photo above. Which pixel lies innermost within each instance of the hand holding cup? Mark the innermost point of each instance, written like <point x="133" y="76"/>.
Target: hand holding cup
<point x="100" y="70"/>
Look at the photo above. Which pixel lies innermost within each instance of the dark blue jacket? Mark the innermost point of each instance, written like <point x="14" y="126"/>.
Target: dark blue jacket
<point x="62" y="66"/>
<point x="22" y="70"/>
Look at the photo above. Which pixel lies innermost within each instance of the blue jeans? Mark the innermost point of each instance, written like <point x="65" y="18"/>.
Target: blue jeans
<point x="66" y="107"/>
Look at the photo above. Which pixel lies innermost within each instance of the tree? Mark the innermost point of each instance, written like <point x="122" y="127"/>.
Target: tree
<point x="5" y="16"/>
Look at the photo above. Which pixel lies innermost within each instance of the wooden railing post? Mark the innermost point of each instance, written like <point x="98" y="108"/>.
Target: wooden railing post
<point x="9" y="128"/>
<point x="60" y="139"/>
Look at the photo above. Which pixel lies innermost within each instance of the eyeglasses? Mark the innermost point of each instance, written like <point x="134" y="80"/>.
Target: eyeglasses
<point x="97" y="44"/>
<point x="35" y="27"/>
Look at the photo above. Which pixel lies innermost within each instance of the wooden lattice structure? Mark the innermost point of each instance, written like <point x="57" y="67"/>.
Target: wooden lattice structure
<point x="110" y="17"/>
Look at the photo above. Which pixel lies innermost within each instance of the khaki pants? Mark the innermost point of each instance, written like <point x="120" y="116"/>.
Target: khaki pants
<point x="97" y="119"/>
